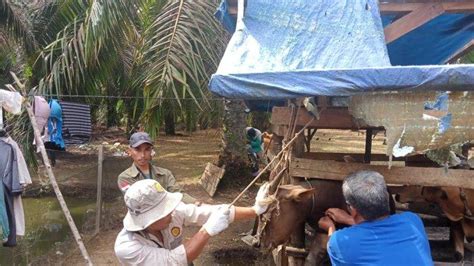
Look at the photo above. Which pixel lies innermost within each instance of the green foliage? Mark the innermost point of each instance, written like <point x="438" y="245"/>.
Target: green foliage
<point x="17" y="24"/>
<point x="155" y="51"/>
<point x="147" y="54"/>
<point x="468" y="58"/>
<point x="7" y="62"/>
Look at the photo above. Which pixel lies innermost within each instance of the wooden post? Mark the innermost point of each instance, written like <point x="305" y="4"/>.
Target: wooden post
<point x="52" y="178"/>
<point x="297" y="238"/>
<point x="279" y="256"/>
<point x="368" y="145"/>
<point x="309" y="137"/>
<point x="98" y="208"/>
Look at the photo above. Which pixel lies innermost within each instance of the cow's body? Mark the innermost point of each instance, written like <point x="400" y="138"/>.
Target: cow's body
<point x="308" y="201"/>
<point x="297" y="205"/>
<point x="456" y="203"/>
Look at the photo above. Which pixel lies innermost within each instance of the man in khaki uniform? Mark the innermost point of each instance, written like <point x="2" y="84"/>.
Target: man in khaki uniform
<point x="140" y="150"/>
<point x="153" y="227"/>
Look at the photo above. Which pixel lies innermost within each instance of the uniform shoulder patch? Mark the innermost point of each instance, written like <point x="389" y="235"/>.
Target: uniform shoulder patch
<point x="124" y="185"/>
<point x="175" y="231"/>
<point x="158" y="187"/>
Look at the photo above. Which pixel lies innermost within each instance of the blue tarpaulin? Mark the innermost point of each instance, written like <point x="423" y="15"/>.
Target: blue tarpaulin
<point x="293" y="48"/>
<point x="432" y="43"/>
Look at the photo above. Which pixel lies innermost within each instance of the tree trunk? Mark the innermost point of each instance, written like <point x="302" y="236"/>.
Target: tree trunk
<point x="112" y="116"/>
<point x="190" y="117"/>
<point x="170" y="125"/>
<point x="234" y="154"/>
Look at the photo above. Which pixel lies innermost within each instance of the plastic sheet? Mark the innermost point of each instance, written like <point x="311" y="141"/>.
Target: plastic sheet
<point x="292" y="48"/>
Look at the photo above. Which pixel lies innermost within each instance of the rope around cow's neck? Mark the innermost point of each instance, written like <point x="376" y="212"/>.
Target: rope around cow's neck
<point x="271" y="162"/>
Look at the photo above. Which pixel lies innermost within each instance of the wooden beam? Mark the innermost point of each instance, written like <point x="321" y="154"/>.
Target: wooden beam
<point x="411" y="21"/>
<point x="461" y="52"/>
<point x="450" y="7"/>
<point x="432" y="177"/>
<point x="359" y="157"/>
<point x="389" y="8"/>
<point x="330" y="118"/>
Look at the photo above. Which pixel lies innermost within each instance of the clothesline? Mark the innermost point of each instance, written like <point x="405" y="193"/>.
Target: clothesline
<point x="126" y="97"/>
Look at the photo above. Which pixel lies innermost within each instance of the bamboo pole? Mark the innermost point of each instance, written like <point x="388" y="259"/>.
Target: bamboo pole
<point x="99" y="190"/>
<point x="52" y="178"/>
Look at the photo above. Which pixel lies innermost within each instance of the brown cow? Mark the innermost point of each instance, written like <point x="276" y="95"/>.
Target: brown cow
<point x="296" y="205"/>
<point x="456" y="203"/>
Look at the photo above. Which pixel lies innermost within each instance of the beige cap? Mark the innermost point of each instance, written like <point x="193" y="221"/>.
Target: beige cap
<point x="147" y="202"/>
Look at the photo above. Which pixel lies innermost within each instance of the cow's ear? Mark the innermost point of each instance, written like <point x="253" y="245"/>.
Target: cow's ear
<point x="303" y="194"/>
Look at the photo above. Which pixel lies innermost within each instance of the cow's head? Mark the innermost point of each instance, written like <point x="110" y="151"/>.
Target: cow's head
<point x="288" y="210"/>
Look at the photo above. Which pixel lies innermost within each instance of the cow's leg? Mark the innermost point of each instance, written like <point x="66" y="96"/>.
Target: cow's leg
<point x="393" y="208"/>
<point x="456" y="235"/>
<point x="318" y="251"/>
<point x="468" y="229"/>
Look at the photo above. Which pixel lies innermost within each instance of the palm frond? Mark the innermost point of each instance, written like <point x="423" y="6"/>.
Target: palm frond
<point x="183" y="46"/>
<point x="17" y="24"/>
<point x="94" y="33"/>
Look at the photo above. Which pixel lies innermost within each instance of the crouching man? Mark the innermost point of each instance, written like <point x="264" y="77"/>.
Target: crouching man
<point x="375" y="237"/>
<point x="153" y="226"/>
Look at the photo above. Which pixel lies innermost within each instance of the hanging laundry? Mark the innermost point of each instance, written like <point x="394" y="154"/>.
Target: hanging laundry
<point x="42" y="112"/>
<point x="4" y="226"/>
<point x="55" y="127"/>
<point x="24" y="178"/>
<point x="77" y="127"/>
<point x="11" y="101"/>
<point x="11" y="187"/>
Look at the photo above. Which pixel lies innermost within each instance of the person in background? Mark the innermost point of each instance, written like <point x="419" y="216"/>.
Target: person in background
<point x="152" y="231"/>
<point x="141" y="151"/>
<point x="255" y="146"/>
<point x="374" y="237"/>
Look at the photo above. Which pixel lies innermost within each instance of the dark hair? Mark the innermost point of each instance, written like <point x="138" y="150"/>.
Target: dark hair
<point x="366" y="191"/>
<point x="251" y="132"/>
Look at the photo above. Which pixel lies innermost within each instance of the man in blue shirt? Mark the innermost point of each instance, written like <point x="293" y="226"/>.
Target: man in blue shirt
<point x="375" y="237"/>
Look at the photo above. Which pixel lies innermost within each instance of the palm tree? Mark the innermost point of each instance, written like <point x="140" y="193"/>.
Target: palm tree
<point x="234" y="153"/>
<point x="153" y="50"/>
<point x="152" y="55"/>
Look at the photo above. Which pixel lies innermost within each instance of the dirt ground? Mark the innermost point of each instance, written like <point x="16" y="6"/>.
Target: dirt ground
<point x="186" y="156"/>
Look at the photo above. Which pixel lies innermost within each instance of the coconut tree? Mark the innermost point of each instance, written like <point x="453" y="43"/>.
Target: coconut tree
<point x="162" y="51"/>
<point x="148" y="51"/>
<point x="233" y="153"/>
<point x="154" y="56"/>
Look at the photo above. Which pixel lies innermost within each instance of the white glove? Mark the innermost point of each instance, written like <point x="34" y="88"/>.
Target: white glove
<point x="218" y="221"/>
<point x="261" y="201"/>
